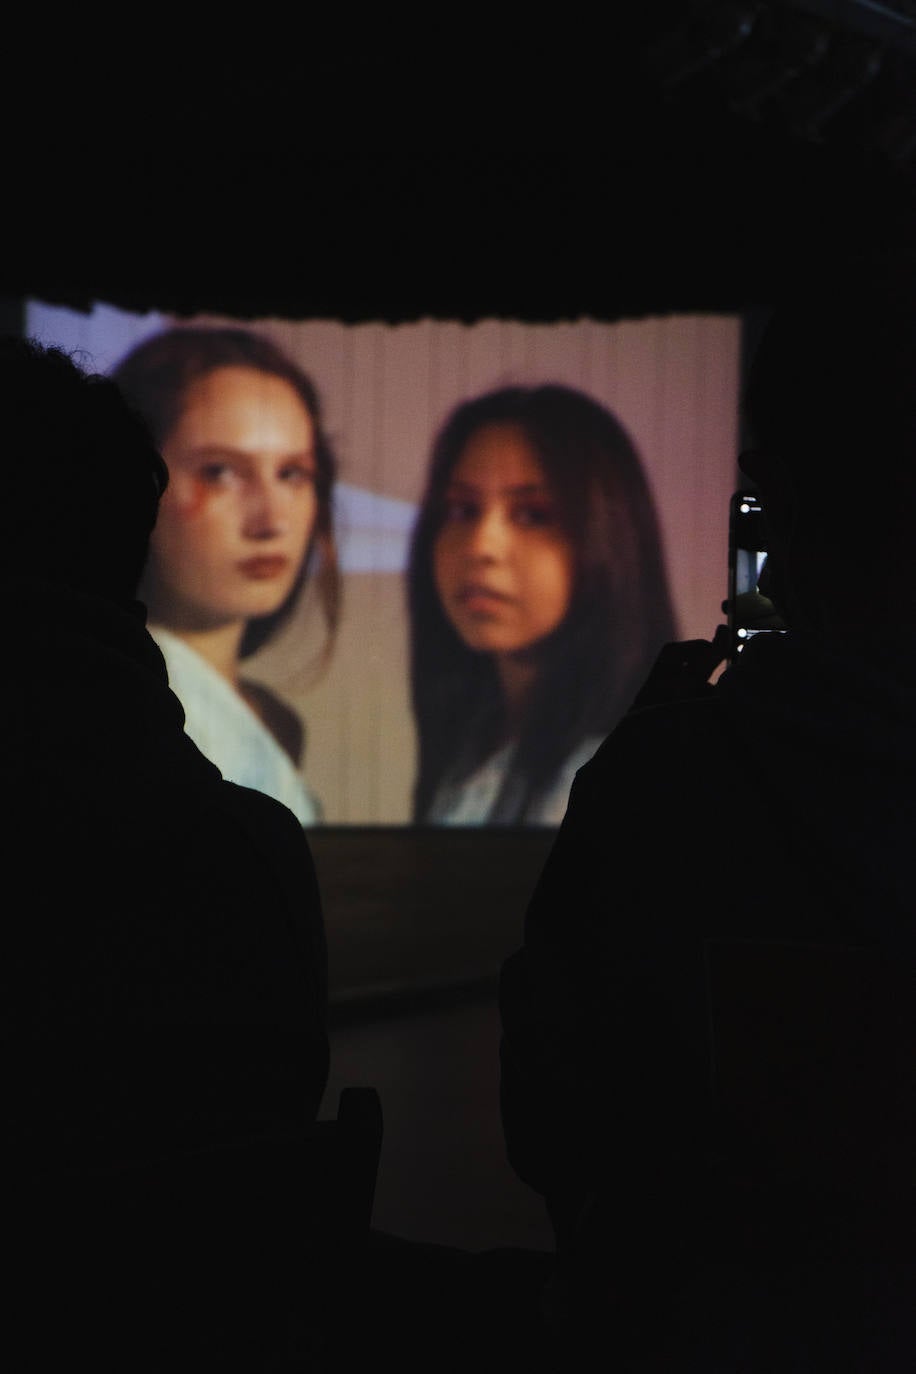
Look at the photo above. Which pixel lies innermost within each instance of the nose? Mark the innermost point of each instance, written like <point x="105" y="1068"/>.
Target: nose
<point x="488" y="536"/>
<point x="265" y="511"/>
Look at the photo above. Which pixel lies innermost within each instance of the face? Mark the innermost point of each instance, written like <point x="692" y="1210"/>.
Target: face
<point x="503" y="562"/>
<point x="237" y="516"/>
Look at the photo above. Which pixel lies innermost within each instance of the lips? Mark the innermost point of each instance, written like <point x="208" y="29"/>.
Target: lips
<point x="264" y="567"/>
<point x="479" y="597"/>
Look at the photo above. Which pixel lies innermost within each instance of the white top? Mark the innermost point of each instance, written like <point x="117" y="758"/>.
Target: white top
<point x="227" y="731"/>
<point x="471" y="801"/>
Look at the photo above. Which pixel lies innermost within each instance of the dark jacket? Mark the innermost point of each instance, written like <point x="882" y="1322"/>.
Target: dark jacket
<point x="779" y="805"/>
<point x="164" y="988"/>
<point x="165" y="965"/>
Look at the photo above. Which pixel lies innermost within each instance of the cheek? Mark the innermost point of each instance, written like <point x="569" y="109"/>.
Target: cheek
<point x="554" y="588"/>
<point x="186" y="500"/>
<point x="443" y="562"/>
<point x="191" y="524"/>
<point x="306" y="517"/>
<point x="167" y="532"/>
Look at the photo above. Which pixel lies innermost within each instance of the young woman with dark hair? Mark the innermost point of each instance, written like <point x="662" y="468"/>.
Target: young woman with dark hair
<point x="245" y="522"/>
<point x="538" y="602"/>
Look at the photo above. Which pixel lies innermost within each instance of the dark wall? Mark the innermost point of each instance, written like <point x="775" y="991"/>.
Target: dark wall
<point x="674" y="156"/>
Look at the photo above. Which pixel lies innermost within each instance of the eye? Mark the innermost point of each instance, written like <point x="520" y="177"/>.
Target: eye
<point x="459" y="510"/>
<point x="215" y="474"/>
<point x="534" y="514"/>
<point x="297" y="475"/>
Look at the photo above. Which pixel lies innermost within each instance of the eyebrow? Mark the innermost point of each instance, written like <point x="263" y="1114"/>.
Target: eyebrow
<point x="523" y="489"/>
<point x="227" y="451"/>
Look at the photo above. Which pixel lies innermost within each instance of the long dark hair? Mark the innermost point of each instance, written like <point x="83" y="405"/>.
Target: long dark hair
<point x="620" y="614"/>
<point x="156" y="377"/>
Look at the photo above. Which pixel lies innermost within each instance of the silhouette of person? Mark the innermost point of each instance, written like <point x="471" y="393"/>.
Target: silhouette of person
<point x="777" y="804"/>
<point x="538" y="600"/>
<point x="164" y="969"/>
<point x="245" y="523"/>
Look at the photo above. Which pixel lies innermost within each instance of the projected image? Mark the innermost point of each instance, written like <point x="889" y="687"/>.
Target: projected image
<point x="413" y="574"/>
<point x="538" y="601"/>
<point x="244" y="523"/>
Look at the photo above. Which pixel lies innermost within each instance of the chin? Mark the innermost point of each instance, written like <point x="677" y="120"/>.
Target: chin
<point x="258" y="612"/>
<point x="262" y="601"/>
<point x="491" y="644"/>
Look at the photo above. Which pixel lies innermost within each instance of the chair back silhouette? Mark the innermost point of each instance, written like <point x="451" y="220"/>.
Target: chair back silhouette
<point x="241" y="1253"/>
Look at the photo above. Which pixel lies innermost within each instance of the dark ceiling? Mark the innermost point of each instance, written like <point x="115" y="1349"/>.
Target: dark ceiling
<point x="454" y="163"/>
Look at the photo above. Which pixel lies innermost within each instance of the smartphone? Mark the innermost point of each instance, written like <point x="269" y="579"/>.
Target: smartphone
<point x="748" y="610"/>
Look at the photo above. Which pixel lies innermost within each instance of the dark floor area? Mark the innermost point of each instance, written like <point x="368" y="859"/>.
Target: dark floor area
<point x="419" y="921"/>
<point x="443" y="1175"/>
